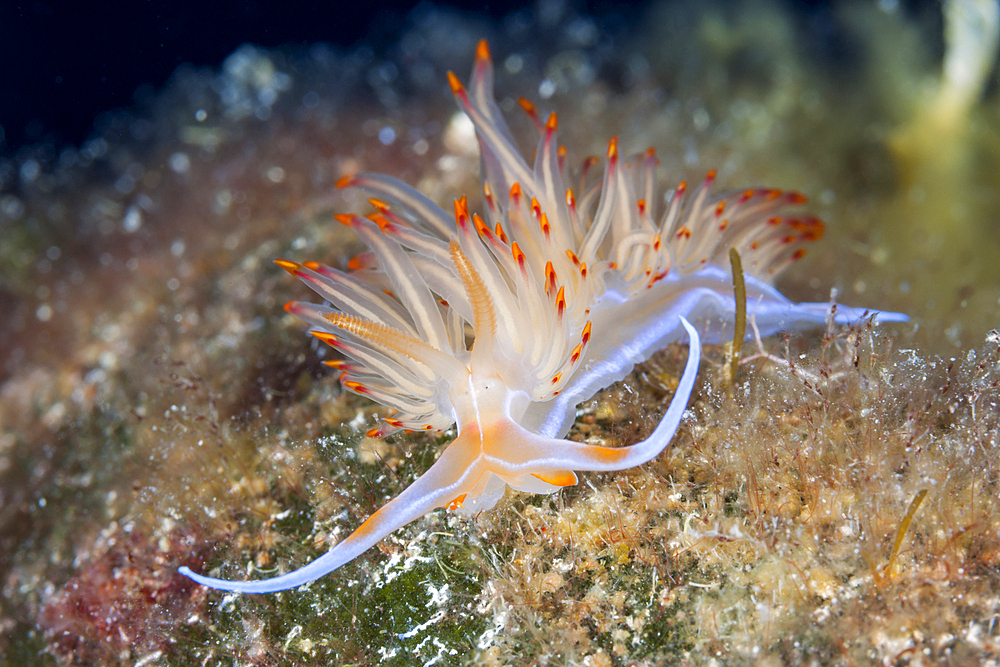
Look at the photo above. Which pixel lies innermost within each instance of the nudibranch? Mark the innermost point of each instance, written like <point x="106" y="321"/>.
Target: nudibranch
<point x="502" y="325"/>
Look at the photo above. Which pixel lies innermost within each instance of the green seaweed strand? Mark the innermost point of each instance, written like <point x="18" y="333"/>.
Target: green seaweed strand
<point x="740" y="291"/>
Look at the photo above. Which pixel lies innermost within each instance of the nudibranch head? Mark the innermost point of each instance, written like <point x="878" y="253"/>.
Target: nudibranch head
<point x="502" y="324"/>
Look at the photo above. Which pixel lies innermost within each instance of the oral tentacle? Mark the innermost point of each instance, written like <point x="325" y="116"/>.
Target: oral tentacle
<point x="529" y="453"/>
<point x="451" y="477"/>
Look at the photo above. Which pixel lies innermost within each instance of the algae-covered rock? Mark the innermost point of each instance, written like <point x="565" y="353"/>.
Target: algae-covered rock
<point x="159" y="409"/>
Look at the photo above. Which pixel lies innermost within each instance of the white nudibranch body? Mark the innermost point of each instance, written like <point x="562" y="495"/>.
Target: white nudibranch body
<point x="560" y="294"/>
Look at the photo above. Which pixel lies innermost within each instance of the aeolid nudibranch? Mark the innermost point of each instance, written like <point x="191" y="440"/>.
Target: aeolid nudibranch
<point x="560" y="294"/>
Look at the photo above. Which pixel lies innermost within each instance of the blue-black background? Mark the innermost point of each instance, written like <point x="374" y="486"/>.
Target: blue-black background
<point x="63" y="63"/>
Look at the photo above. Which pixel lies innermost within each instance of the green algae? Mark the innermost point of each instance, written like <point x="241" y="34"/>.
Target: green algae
<point x="411" y="609"/>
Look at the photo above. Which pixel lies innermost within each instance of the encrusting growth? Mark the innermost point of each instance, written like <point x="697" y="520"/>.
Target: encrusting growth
<point x="561" y="295"/>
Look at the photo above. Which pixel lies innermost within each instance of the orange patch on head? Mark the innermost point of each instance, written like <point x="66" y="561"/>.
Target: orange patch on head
<point x="457" y="502"/>
<point x="369" y="525"/>
<point x="609" y="454"/>
<point x="557" y="477"/>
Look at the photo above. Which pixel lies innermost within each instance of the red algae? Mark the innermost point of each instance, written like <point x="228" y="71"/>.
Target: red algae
<point x="129" y="603"/>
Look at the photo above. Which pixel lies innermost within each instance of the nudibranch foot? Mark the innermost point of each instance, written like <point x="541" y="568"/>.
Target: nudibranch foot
<point x="520" y="458"/>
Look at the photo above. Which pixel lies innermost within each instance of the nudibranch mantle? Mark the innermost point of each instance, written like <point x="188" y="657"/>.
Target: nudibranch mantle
<point x="503" y="327"/>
